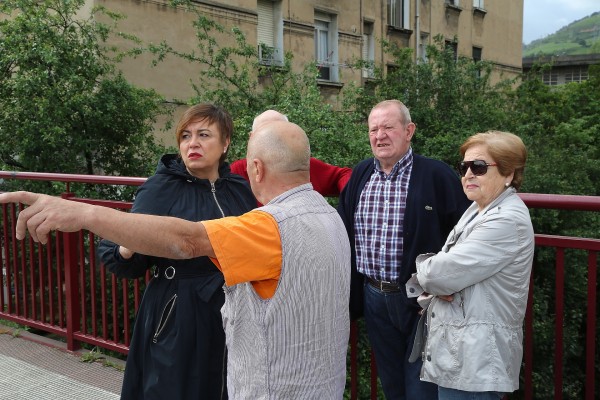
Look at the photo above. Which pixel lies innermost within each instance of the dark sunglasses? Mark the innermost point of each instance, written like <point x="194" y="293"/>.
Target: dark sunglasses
<point x="478" y="167"/>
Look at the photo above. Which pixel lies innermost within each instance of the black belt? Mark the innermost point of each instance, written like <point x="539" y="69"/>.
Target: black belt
<point x="182" y="272"/>
<point x="384" y="286"/>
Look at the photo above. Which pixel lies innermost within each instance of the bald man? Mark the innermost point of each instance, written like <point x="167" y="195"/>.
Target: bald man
<point x="267" y="116"/>
<point x="327" y="179"/>
<point x="286" y="267"/>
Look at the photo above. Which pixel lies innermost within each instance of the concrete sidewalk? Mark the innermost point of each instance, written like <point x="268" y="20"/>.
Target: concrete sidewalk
<point x="35" y="368"/>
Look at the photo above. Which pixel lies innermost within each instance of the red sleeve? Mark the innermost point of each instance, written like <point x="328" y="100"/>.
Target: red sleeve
<point x="239" y="167"/>
<point x="327" y="179"/>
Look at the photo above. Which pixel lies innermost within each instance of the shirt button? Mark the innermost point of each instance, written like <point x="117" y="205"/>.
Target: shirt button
<point x="432" y="315"/>
<point x="428" y="358"/>
<point x="412" y="290"/>
<point x="382" y="246"/>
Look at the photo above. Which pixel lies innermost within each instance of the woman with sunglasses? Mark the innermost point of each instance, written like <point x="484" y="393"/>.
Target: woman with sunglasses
<point x="476" y="287"/>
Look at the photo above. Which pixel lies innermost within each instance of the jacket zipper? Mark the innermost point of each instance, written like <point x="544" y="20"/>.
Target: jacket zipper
<point x="164" y="318"/>
<point x="214" y="193"/>
<point x="462" y="303"/>
<point x="223" y="377"/>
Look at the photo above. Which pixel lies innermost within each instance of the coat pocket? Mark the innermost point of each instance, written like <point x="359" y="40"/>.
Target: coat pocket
<point x="164" y="317"/>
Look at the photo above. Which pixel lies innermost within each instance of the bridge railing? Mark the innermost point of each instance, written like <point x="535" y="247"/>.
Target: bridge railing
<point x="60" y="288"/>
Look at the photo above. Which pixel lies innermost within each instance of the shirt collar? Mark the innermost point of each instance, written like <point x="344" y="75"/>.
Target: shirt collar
<point x="400" y="166"/>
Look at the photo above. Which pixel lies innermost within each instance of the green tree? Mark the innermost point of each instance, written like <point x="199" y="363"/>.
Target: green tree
<point x="449" y="99"/>
<point x="561" y="127"/>
<point x="63" y="106"/>
<point x="233" y="77"/>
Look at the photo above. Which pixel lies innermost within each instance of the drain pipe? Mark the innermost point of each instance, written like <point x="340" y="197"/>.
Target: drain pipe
<point x="418" y="32"/>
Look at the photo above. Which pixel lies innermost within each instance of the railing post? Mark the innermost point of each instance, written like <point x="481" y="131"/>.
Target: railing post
<point x="353" y="360"/>
<point x="72" y="289"/>
<point x="591" y="327"/>
<point x="559" y="323"/>
<point x="528" y="356"/>
<point x="71" y="269"/>
<point x="373" y="377"/>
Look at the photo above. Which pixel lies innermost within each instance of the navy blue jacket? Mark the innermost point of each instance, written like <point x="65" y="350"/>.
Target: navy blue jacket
<point x="435" y="202"/>
<point x="172" y="191"/>
<point x="178" y="345"/>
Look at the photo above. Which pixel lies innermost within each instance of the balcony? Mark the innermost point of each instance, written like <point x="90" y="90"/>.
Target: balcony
<point x="61" y="289"/>
<point x="270" y="56"/>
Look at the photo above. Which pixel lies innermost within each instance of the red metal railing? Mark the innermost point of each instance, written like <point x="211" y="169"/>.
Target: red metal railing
<point x="59" y="288"/>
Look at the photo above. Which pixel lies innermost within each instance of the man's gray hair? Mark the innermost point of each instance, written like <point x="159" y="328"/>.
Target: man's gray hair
<point x="404" y="112"/>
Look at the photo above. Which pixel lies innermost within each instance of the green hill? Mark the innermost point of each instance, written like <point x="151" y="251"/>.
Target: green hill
<point x="579" y="37"/>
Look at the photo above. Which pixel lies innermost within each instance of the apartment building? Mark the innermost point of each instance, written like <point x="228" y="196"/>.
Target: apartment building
<point x="563" y="68"/>
<point x="332" y="32"/>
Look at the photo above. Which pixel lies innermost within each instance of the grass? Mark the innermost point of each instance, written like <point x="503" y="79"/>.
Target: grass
<point x="554" y="48"/>
<point x="12" y="328"/>
<point x="96" y="355"/>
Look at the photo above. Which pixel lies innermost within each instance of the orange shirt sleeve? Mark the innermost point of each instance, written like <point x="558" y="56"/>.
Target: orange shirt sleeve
<point x="248" y="249"/>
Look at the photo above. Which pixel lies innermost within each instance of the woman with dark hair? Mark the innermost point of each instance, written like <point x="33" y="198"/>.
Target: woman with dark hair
<point x="177" y="349"/>
<point x="476" y="287"/>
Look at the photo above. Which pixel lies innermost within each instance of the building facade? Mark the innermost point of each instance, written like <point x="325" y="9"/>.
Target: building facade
<point x="331" y="32"/>
<point x="563" y="69"/>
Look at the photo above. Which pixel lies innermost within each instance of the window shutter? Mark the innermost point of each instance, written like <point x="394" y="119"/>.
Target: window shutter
<point x="266" y="20"/>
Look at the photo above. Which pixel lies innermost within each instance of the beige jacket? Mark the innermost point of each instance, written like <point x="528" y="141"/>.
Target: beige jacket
<point x="475" y="342"/>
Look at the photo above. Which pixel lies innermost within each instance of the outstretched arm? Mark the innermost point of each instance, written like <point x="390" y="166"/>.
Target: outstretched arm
<point x="147" y="234"/>
<point x="327" y="179"/>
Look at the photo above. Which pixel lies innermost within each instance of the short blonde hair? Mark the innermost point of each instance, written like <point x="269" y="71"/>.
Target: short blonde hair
<point x="506" y="149"/>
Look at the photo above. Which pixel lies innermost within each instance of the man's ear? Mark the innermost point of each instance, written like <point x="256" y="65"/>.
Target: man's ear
<point x="411" y="127"/>
<point x="259" y="167"/>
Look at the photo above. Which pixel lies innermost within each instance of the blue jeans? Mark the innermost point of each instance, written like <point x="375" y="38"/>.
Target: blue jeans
<point x="455" y="394"/>
<point x="391" y="325"/>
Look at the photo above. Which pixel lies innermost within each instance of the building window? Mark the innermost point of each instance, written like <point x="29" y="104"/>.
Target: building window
<point x="326" y="51"/>
<point x="368" y="49"/>
<point x="454" y="3"/>
<point x="392" y="69"/>
<point x="584" y="74"/>
<point x="476" y="58"/>
<point x="270" y="32"/>
<point x="452" y="46"/>
<point x="476" y="54"/>
<point x="399" y="13"/>
<point x="571" y="76"/>
<point x="478" y="4"/>
<point x="576" y="74"/>
<point x="550" y="78"/>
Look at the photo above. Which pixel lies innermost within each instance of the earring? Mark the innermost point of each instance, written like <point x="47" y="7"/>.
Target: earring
<point x="507" y="184"/>
<point x="225" y="150"/>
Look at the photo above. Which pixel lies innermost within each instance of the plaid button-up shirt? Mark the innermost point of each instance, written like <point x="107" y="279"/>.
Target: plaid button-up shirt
<point x="379" y="220"/>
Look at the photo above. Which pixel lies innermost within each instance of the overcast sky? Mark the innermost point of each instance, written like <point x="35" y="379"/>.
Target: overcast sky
<point x="543" y="17"/>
